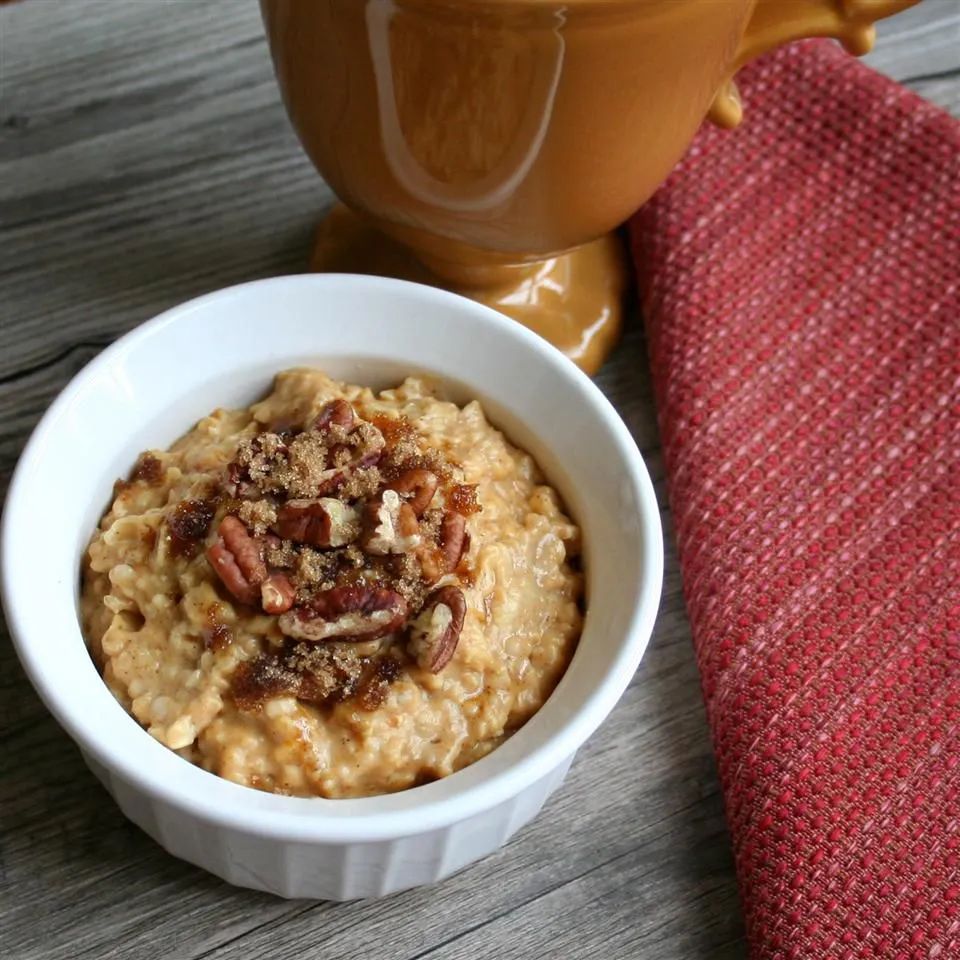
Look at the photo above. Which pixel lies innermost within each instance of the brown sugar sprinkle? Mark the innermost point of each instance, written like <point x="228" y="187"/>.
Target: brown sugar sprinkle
<point x="258" y="515"/>
<point x="216" y="637"/>
<point x="399" y="460"/>
<point x="188" y="524"/>
<point x="395" y="430"/>
<point x="340" y="467"/>
<point x="354" y="557"/>
<point x="311" y="673"/>
<point x="314" y="568"/>
<point x="462" y="497"/>
<point x="264" y="678"/>
<point x="376" y="682"/>
<point x="277" y="466"/>
<point x="430" y="523"/>
<point x="361" y="484"/>
<point x="148" y="469"/>
<point x="281" y="554"/>
<point x="333" y="672"/>
<point x="302" y="471"/>
<point x="402" y="574"/>
<point x="315" y="674"/>
<point x="404" y="450"/>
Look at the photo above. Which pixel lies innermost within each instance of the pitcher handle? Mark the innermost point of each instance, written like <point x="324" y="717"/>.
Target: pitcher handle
<point x="775" y="22"/>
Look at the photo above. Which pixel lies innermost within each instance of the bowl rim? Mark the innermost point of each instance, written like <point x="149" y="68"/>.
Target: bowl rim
<point x="247" y="815"/>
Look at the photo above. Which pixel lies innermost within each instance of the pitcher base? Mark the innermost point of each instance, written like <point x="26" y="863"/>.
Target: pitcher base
<point x="574" y="299"/>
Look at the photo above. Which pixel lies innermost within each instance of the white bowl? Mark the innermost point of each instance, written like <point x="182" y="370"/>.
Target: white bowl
<point x="223" y="349"/>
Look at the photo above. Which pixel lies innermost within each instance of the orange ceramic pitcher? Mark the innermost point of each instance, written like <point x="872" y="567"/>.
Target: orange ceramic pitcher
<point x="491" y="146"/>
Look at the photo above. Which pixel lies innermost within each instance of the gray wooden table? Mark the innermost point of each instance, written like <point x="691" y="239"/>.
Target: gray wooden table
<point x="144" y="159"/>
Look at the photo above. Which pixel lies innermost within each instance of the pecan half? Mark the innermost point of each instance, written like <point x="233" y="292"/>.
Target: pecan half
<point x="347" y="613"/>
<point x="435" y="633"/>
<point x="326" y="522"/>
<point x="277" y="594"/>
<point x="238" y="560"/>
<point x="418" y="487"/>
<point x="337" y="413"/>
<point x="453" y="539"/>
<point x="437" y="559"/>
<point x="390" y="525"/>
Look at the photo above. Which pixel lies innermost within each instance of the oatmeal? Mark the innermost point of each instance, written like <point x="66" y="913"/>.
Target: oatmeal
<point x="334" y="592"/>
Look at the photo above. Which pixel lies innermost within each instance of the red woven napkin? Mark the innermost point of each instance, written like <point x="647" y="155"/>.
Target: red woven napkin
<point x="799" y="279"/>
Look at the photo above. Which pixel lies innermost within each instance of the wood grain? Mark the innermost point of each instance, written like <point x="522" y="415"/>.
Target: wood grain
<point x="145" y="158"/>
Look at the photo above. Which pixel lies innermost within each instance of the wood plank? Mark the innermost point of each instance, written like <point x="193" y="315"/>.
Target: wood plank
<point x="918" y="42"/>
<point x="943" y="91"/>
<point x="145" y="158"/>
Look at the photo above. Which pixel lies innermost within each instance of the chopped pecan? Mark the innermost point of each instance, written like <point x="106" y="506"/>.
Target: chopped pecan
<point x="454" y="539"/>
<point x="366" y="451"/>
<point x="418" y="487"/>
<point x="256" y="458"/>
<point x="352" y="613"/>
<point x="233" y="478"/>
<point x="330" y="481"/>
<point x="369" y="458"/>
<point x="337" y="413"/>
<point x="442" y="557"/>
<point x="238" y="560"/>
<point x="434" y="634"/>
<point x="272" y="542"/>
<point x="353" y="445"/>
<point x="325" y="522"/>
<point x="335" y="478"/>
<point x="277" y="593"/>
<point x="237" y="483"/>
<point x="389" y="525"/>
<point x="432" y="562"/>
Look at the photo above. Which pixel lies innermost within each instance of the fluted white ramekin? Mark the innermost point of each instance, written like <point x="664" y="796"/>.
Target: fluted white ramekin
<point x="222" y="350"/>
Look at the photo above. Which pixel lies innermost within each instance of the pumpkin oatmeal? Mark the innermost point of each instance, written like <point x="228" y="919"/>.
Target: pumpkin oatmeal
<point x="334" y="592"/>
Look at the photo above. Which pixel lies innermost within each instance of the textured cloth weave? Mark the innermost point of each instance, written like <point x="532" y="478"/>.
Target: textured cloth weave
<point x="799" y="278"/>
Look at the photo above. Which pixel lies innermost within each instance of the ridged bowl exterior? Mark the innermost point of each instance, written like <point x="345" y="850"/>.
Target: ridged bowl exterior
<point x="224" y="349"/>
<point x="317" y="871"/>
